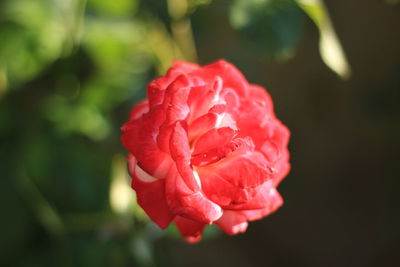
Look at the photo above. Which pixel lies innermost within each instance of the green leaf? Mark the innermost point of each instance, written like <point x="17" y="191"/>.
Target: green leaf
<point x="329" y="45"/>
<point x="270" y="27"/>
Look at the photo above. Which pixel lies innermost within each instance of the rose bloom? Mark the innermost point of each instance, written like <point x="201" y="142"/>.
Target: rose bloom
<point x="206" y="148"/>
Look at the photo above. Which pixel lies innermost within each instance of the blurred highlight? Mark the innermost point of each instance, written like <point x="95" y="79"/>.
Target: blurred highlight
<point x="122" y="197"/>
<point x="330" y="48"/>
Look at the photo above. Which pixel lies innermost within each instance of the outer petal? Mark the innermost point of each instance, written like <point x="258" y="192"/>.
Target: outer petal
<point x="260" y="94"/>
<point x="139" y="110"/>
<point x="253" y="120"/>
<point x="189" y="229"/>
<point x="231" y="197"/>
<point x="203" y="97"/>
<point x="213" y="139"/>
<point x="150" y="194"/>
<point x="189" y="204"/>
<point x="217" y="117"/>
<point x="183" y="186"/>
<point x="260" y="198"/>
<point x="231" y="76"/>
<point x="274" y="202"/>
<point x="232" y="222"/>
<point x="270" y="136"/>
<point x="246" y="170"/>
<point x="156" y="88"/>
<point x="275" y="149"/>
<point x="139" y="138"/>
<point x="222" y="192"/>
<point x="213" y="146"/>
<point x="235" y="181"/>
<point x="176" y="109"/>
<point x="180" y="153"/>
<point x="283" y="167"/>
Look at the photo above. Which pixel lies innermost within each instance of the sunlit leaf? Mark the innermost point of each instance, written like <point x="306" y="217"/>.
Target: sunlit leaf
<point x="330" y="48"/>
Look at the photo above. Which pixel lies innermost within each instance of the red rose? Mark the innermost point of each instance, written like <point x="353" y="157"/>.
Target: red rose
<point x="206" y="148"/>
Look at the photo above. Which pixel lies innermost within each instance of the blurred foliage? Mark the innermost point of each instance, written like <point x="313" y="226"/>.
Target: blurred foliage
<point x="392" y="2"/>
<point x="37" y="33"/>
<point x="270" y="27"/>
<point x="70" y="70"/>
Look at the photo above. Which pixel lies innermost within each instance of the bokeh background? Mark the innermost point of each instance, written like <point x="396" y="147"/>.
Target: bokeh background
<point x="70" y="70"/>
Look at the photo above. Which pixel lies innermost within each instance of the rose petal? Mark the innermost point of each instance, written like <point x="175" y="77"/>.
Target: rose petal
<point x="176" y="109"/>
<point x="260" y="94"/>
<point x="231" y="99"/>
<point x="202" y="125"/>
<point x="180" y="153"/>
<point x="183" y="188"/>
<point x="187" y="203"/>
<point x="139" y="110"/>
<point x="213" y="139"/>
<point x="274" y="202"/>
<point x="222" y="192"/>
<point x="282" y="167"/>
<point x="139" y="138"/>
<point x="202" y="98"/>
<point x="230" y="75"/>
<point x="156" y="89"/>
<point x="232" y="222"/>
<point x="279" y="133"/>
<point x="151" y="196"/>
<point x="253" y="121"/>
<point x="215" y="118"/>
<point x="260" y="198"/>
<point x="244" y="170"/>
<point x="189" y="229"/>
<point x="231" y="197"/>
<point x="175" y="100"/>
<point x="270" y="137"/>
